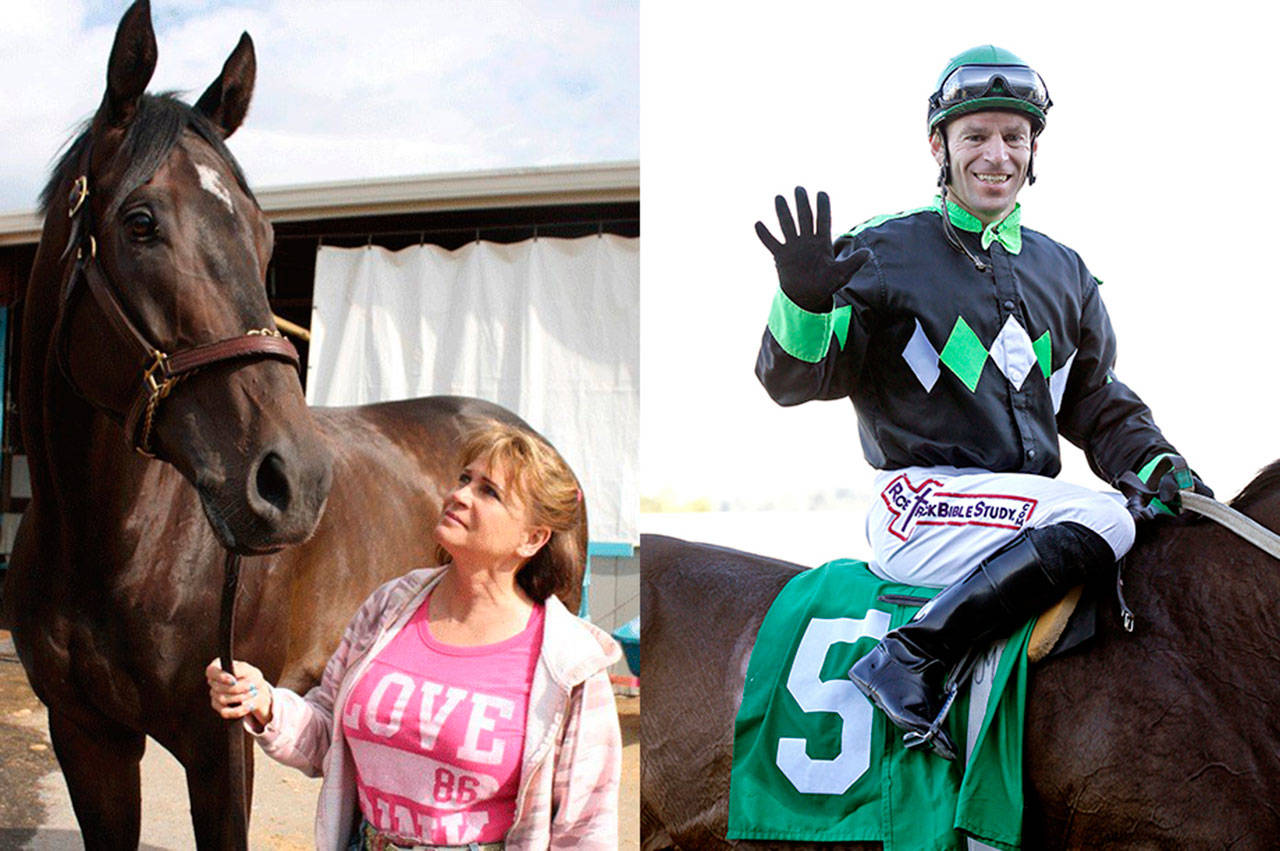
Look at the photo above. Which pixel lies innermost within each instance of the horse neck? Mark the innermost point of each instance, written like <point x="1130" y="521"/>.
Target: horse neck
<point x="1248" y="572"/>
<point x="1200" y="579"/>
<point x="1263" y="501"/>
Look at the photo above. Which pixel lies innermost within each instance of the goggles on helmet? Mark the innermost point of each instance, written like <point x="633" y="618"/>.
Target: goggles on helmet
<point x="971" y="82"/>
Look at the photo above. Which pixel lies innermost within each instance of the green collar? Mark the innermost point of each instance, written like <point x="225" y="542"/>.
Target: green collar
<point x="1008" y="230"/>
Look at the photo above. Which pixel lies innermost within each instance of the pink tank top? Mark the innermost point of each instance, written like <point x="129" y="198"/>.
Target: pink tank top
<point x="436" y="732"/>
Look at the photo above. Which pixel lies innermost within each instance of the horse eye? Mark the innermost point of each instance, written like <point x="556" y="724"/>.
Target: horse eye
<point x="142" y="227"/>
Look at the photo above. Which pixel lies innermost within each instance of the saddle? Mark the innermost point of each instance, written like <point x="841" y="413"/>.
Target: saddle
<point x="1073" y="620"/>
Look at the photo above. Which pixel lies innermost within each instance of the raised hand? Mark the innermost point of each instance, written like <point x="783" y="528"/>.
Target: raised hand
<point x="807" y="268"/>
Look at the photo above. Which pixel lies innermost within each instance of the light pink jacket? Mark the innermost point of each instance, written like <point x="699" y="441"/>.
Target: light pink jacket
<point x="572" y="760"/>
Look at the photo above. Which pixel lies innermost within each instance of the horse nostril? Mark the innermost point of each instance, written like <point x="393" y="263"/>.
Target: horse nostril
<point x="272" y="483"/>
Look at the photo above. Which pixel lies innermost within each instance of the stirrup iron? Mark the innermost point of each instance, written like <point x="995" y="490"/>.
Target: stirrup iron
<point x="959" y="675"/>
<point x="912" y="740"/>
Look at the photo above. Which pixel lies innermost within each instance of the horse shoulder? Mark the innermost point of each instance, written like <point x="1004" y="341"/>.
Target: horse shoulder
<point x="1161" y="736"/>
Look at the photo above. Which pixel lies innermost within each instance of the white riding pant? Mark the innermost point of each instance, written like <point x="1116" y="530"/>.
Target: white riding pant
<point x="931" y="526"/>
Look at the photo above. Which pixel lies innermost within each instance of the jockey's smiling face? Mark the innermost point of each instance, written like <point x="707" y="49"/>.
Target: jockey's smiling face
<point x="990" y="154"/>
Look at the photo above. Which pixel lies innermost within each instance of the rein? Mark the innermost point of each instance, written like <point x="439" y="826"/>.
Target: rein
<point x="1138" y="491"/>
<point x="1252" y="531"/>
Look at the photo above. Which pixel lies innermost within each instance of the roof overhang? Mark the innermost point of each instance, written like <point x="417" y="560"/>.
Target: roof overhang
<point x="522" y="187"/>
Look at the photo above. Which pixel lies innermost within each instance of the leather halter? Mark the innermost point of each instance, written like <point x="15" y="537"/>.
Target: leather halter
<point x="160" y="371"/>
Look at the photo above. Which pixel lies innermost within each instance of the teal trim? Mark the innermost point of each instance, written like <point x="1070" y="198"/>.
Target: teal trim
<point x="803" y="335"/>
<point x="628" y="635"/>
<point x="610" y="549"/>
<point x="584" y="606"/>
<point x="600" y="549"/>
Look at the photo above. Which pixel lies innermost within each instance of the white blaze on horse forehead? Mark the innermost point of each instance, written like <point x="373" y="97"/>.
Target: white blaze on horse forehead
<point x="212" y="183"/>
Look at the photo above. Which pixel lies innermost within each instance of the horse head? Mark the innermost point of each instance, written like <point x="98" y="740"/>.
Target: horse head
<point x="162" y="323"/>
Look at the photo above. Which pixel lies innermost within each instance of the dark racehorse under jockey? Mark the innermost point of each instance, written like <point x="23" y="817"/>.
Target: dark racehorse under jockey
<point x="966" y="343"/>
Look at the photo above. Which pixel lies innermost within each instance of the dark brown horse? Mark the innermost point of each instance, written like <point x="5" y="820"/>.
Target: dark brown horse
<point x="113" y="586"/>
<point x="1167" y="737"/>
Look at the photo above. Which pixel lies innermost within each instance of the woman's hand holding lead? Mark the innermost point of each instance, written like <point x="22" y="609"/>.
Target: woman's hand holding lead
<point x="235" y="697"/>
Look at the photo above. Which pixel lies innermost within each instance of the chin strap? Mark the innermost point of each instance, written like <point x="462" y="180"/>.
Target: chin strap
<point x="944" y="179"/>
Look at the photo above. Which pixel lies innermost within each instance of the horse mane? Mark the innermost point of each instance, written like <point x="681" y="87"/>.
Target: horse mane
<point x="1263" y="485"/>
<point x="155" y="129"/>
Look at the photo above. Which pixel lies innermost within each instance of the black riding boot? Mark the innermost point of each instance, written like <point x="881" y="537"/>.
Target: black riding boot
<point x="904" y="673"/>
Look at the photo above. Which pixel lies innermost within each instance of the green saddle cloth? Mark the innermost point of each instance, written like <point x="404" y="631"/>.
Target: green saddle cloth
<point x="814" y="761"/>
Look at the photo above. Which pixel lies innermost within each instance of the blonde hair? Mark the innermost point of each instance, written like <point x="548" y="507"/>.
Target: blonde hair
<point x="550" y="494"/>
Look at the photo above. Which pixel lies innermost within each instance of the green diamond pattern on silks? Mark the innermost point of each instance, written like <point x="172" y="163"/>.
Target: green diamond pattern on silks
<point x="1044" y="353"/>
<point x="964" y="354"/>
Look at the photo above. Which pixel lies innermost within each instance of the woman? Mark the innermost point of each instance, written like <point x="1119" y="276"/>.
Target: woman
<point x="464" y="705"/>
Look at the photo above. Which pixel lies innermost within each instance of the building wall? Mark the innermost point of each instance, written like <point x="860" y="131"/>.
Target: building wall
<point x="614" y="595"/>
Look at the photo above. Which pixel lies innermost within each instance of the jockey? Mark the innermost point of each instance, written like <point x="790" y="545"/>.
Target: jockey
<point x="966" y="343"/>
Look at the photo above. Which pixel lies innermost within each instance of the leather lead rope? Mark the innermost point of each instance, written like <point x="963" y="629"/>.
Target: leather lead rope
<point x="235" y="733"/>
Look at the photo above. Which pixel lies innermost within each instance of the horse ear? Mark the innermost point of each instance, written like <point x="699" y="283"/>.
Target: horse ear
<point x="133" y="60"/>
<point x="226" y="100"/>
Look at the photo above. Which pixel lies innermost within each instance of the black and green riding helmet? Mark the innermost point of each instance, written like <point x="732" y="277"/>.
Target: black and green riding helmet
<point x="989" y="77"/>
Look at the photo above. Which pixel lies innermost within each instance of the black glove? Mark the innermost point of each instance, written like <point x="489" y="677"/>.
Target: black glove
<point x="1156" y="490"/>
<point x="807" y="268"/>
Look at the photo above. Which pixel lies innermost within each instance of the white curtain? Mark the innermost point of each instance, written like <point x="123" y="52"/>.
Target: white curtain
<point x="548" y="328"/>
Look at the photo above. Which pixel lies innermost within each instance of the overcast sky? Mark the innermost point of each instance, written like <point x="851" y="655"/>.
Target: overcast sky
<point x="346" y="88"/>
<point x="1158" y="166"/>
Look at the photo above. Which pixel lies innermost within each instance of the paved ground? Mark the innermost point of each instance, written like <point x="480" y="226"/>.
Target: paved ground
<point x="35" y="812"/>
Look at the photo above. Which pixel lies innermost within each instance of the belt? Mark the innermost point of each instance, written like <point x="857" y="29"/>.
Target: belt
<point x="373" y="840"/>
